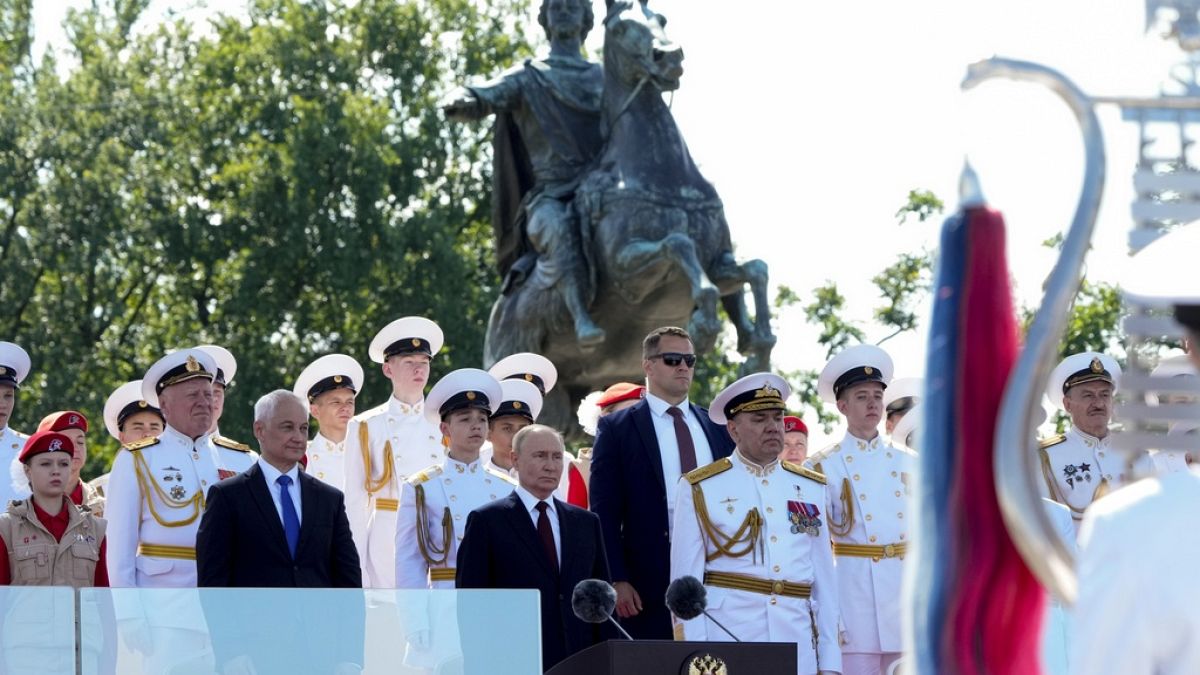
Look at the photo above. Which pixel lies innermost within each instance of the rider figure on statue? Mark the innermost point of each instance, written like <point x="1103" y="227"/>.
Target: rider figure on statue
<point x="546" y="133"/>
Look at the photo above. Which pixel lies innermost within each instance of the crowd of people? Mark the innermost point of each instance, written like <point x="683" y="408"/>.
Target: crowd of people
<point x="462" y="488"/>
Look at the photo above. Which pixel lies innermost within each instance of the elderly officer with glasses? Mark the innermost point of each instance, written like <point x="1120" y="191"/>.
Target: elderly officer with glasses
<point x="639" y="456"/>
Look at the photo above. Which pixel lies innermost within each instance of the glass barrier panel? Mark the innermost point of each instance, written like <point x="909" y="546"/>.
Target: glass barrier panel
<point x="269" y="631"/>
<point x="37" y="630"/>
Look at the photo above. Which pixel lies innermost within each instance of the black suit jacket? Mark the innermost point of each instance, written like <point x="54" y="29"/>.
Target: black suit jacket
<point x="241" y="543"/>
<point x="627" y="490"/>
<point x="501" y="549"/>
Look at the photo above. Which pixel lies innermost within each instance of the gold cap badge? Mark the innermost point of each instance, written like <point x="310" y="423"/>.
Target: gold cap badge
<point x="528" y="377"/>
<point x="470" y="396"/>
<point x="142" y="404"/>
<point x="192" y="365"/>
<point x="337" y="379"/>
<point x="869" y="370"/>
<point x="416" y="342"/>
<point x="516" y="405"/>
<point x="1097" y="366"/>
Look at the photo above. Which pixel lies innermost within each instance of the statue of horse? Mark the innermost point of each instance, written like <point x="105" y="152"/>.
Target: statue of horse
<point x="653" y="230"/>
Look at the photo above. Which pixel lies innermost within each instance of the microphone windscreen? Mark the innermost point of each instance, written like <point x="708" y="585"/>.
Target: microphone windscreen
<point x="593" y="600"/>
<point x="687" y="598"/>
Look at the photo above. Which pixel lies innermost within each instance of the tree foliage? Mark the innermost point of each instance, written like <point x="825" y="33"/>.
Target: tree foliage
<point x="282" y="184"/>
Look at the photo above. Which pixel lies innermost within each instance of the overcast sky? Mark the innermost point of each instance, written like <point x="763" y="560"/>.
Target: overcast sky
<point x="814" y="120"/>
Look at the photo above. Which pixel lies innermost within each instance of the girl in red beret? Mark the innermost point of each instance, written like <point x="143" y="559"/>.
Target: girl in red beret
<point x="48" y="540"/>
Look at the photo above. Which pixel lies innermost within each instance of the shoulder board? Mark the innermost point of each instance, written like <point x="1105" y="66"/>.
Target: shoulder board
<point x="803" y="471"/>
<point x="368" y="414"/>
<point x="1051" y="441"/>
<point x="709" y="470"/>
<point x="823" y="453"/>
<point x="144" y="443"/>
<point x="502" y="475"/>
<point x="424" y="474"/>
<point x="230" y="443"/>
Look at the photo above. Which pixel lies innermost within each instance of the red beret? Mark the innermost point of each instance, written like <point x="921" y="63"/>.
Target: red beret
<point x="46" y="441"/>
<point x="63" y="420"/>
<point x="793" y="423"/>
<point x="621" y="391"/>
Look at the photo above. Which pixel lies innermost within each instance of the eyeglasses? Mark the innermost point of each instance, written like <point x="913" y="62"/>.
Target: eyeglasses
<point x="673" y="359"/>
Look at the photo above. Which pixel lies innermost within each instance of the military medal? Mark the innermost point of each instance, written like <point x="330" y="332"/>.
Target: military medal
<point x="804" y="517"/>
<point x="178" y="492"/>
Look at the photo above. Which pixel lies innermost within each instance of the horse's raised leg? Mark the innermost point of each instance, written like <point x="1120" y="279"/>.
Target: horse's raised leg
<point x="755" y="341"/>
<point x="678" y="248"/>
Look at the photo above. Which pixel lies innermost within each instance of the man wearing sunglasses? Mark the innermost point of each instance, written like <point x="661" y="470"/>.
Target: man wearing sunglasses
<point x="639" y="456"/>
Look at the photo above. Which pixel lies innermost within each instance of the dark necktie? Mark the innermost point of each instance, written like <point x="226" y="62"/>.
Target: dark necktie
<point x="683" y="438"/>
<point x="291" y="522"/>
<point x="547" y="535"/>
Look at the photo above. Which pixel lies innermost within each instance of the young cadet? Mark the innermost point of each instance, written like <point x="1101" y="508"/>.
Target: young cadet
<point x="868" y="492"/>
<point x="14" y="368"/>
<point x="74" y="425"/>
<point x="330" y="385"/>
<point x="541" y="373"/>
<point x="434" y="506"/>
<point x="129" y="419"/>
<point x="229" y="456"/>
<point x="48" y="540"/>
<point x="390" y="442"/>
<point x="521" y="404"/>
<point x="752" y="528"/>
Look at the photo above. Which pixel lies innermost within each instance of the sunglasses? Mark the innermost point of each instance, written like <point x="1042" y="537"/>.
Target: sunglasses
<point x="673" y="359"/>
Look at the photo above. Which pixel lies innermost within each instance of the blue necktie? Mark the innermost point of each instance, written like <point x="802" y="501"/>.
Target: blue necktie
<point x="291" y="522"/>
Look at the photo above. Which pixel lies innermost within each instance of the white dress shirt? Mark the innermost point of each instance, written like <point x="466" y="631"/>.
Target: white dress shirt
<point x="531" y="503"/>
<point x="271" y="475"/>
<point x="668" y="447"/>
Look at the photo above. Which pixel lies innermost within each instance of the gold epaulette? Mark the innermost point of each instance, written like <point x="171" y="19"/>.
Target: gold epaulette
<point x="1051" y="441"/>
<point x="424" y="474"/>
<point x="501" y="475"/>
<point x="230" y="443"/>
<point x="144" y="443"/>
<point x="803" y="471"/>
<point x="709" y="470"/>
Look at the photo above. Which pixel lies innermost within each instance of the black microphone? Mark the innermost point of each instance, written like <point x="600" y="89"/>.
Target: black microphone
<point x="593" y="601"/>
<point x="687" y="599"/>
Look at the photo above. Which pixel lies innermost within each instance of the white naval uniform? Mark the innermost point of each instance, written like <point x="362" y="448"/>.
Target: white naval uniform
<point x="563" y="483"/>
<point x="327" y="461"/>
<point x="1138" y="595"/>
<point x="460" y="489"/>
<point x="229" y="457"/>
<point x="176" y="472"/>
<point x="786" y="550"/>
<point x="412" y="443"/>
<point x="11" y="443"/>
<point x="1079" y="468"/>
<point x="868" y="485"/>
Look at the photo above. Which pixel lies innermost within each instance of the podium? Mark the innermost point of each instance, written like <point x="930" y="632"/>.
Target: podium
<point x="666" y="657"/>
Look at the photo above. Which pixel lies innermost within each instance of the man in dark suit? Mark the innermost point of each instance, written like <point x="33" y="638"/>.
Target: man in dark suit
<point x="637" y="460"/>
<point x="529" y="539"/>
<point x="275" y="526"/>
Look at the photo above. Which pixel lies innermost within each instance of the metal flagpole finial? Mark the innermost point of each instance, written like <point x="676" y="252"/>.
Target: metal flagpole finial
<point x="970" y="192"/>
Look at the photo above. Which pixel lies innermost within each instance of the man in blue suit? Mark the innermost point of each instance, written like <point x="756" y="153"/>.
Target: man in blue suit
<point x="639" y="456"/>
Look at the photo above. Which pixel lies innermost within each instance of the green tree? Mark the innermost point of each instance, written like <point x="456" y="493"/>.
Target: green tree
<point x="282" y="185"/>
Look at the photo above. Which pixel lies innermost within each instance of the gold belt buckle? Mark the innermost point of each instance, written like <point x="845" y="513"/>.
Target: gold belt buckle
<point x="889" y="551"/>
<point x="777" y="587"/>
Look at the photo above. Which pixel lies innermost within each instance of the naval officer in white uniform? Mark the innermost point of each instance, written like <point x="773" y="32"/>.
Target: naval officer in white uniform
<point x="330" y="385"/>
<point x="14" y="368"/>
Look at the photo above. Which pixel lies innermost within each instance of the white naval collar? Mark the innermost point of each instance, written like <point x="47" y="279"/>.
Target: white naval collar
<point x="852" y="442"/>
<point x="329" y="443"/>
<point x="757" y="470"/>
<point x="454" y="466"/>
<point x="658" y="407"/>
<point x="180" y="437"/>
<point x="398" y="407"/>
<point x="501" y="470"/>
<point x="1090" y="440"/>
